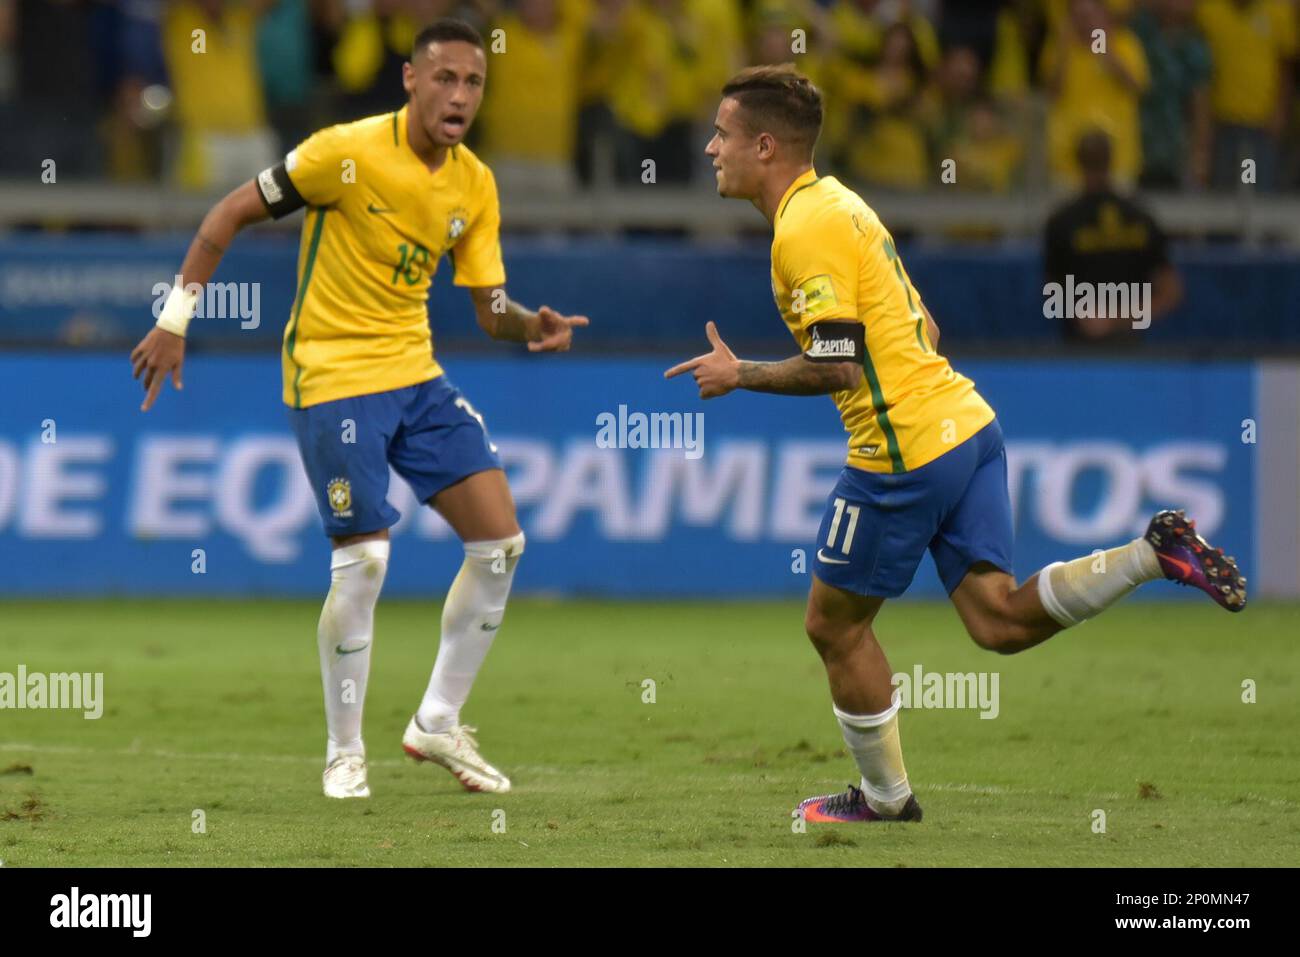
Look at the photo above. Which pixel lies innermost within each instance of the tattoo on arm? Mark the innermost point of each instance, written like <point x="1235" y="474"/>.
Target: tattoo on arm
<point x="210" y="247"/>
<point x="798" y="376"/>
<point x="513" y="325"/>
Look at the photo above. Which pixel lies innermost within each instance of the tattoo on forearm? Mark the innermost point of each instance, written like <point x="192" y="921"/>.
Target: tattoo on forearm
<point x="210" y="247"/>
<point x="793" y="376"/>
<point x="510" y="325"/>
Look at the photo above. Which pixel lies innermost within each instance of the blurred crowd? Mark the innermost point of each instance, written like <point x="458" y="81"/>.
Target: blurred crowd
<point x="1194" y="94"/>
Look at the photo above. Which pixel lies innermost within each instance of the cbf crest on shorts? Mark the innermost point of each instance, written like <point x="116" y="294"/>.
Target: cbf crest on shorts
<point x="456" y="223"/>
<point x="339" y="493"/>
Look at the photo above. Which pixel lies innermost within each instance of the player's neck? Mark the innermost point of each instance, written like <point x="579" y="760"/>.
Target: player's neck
<point x="769" y="198"/>
<point x="430" y="153"/>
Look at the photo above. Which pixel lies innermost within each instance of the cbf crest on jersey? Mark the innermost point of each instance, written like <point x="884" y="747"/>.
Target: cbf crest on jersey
<point x="456" y="223"/>
<point x="339" y="493"/>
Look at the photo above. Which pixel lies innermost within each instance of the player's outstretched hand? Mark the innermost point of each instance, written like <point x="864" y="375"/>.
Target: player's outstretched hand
<point x="716" y="372"/>
<point x="556" y="330"/>
<point x="159" y="354"/>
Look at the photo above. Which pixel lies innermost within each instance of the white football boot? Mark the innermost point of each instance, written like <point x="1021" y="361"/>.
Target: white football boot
<point x="457" y="751"/>
<point x="346" y="777"/>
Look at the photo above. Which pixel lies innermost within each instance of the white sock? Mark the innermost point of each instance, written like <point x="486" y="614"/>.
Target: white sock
<point x="873" y="742"/>
<point x="1075" y="591"/>
<point x="471" y="616"/>
<point x="347" y="625"/>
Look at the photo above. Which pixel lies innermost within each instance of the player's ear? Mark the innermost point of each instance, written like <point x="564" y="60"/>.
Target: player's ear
<point x="408" y="77"/>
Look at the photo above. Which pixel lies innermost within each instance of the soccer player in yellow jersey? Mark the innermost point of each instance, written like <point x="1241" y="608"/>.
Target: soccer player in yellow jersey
<point x="926" y="466"/>
<point x="386" y="197"/>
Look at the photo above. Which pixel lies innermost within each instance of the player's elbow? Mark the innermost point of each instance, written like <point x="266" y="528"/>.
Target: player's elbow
<point x="484" y="314"/>
<point x="848" y="375"/>
<point x="487" y="320"/>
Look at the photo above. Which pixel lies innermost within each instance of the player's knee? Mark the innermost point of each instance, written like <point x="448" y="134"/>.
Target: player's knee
<point x="499" y="554"/>
<point x="826" y="634"/>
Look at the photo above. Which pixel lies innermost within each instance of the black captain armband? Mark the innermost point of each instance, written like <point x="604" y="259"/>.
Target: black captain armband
<point x="278" y="193"/>
<point x="837" y="341"/>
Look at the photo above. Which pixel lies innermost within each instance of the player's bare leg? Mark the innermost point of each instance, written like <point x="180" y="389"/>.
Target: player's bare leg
<point x="479" y="508"/>
<point x="482" y="512"/>
<point x="1004" y="617"/>
<point x="999" y="615"/>
<point x="344" y="636"/>
<point x="839" y="625"/>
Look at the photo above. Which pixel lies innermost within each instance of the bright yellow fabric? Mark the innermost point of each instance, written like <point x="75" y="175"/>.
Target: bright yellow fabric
<point x="1246" y="47"/>
<point x="530" y="109"/>
<point x="1091" y="96"/>
<point x="213" y="66"/>
<point x="832" y="259"/>
<point x="377" y="225"/>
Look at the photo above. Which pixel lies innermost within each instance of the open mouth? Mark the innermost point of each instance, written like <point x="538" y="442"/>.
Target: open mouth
<point x="453" y="125"/>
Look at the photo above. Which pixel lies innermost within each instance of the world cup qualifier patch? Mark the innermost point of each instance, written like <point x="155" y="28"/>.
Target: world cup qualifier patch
<point x="339" y="493"/>
<point x="814" y="297"/>
<point x="836" y="342"/>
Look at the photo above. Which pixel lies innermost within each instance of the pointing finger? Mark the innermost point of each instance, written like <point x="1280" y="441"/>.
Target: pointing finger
<point x="686" y="366"/>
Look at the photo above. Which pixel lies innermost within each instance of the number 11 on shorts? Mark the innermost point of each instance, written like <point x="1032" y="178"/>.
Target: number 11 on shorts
<point x="840" y="508"/>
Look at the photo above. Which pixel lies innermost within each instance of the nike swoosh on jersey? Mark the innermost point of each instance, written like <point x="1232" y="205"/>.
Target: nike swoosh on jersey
<point x="372" y="208"/>
<point x="831" y="561"/>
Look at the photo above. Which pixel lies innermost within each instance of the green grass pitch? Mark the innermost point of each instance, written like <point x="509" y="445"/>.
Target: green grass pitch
<point x="216" y="707"/>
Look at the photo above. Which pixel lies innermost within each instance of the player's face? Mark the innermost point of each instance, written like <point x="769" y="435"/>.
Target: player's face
<point x="445" y="83"/>
<point x="734" y="153"/>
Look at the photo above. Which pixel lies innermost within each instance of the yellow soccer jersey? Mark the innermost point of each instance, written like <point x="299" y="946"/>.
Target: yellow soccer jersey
<point x="843" y="292"/>
<point x="377" y="223"/>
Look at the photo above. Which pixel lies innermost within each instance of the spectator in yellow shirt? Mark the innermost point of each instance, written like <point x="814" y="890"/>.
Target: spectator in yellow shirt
<point x="888" y="144"/>
<point x="210" y="47"/>
<point x="530" y="109"/>
<point x="1252" y="43"/>
<point x="986" y="153"/>
<point x="1095" y="73"/>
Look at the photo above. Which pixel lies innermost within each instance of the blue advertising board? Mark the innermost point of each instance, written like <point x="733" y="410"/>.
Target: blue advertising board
<point x="205" y="493"/>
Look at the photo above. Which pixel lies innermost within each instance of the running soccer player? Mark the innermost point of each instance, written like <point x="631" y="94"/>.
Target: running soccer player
<point x="386" y="197"/>
<point x="926" y="466"/>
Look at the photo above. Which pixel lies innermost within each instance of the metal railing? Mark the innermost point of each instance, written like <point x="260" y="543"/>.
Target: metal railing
<point x="1247" y="217"/>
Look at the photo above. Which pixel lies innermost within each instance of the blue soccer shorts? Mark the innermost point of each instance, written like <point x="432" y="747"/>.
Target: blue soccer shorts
<point x="428" y="433"/>
<point x="878" y="525"/>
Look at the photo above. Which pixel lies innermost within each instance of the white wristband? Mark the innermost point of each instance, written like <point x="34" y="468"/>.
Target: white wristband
<point x="178" y="310"/>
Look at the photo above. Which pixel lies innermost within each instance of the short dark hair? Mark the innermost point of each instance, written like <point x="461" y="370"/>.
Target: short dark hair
<point x="778" y="99"/>
<point x="443" y="31"/>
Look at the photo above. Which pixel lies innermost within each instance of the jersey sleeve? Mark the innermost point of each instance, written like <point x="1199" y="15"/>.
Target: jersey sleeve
<point x="316" y="167"/>
<point x="818" y="262"/>
<point x="476" y="257"/>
